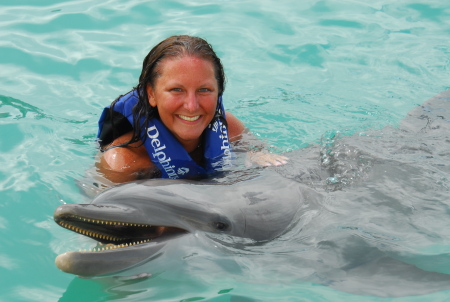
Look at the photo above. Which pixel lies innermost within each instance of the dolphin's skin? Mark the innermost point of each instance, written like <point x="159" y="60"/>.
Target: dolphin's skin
<point x="314" y="200"/>
<point x="239" y="209"/>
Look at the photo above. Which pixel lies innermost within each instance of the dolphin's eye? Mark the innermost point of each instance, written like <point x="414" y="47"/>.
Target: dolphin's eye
<point x="221" y="226"/>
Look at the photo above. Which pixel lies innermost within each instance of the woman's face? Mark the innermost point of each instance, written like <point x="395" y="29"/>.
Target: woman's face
<point x="185" y="95"/>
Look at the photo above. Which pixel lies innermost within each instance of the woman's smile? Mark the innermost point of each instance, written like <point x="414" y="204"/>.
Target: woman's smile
<point x="189" y="118"/>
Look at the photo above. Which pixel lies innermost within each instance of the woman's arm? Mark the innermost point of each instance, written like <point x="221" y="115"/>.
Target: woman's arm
<point x="238" y="133"/>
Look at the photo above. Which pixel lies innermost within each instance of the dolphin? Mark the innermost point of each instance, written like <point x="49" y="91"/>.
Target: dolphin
<point x="136" y="221"/>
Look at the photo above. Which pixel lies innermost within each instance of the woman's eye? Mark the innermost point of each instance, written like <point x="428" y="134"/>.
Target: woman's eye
<point x="176" y="89"/>
<point x="204" y="90"/>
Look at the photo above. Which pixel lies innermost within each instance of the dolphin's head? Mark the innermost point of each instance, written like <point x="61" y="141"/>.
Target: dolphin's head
<point x="132" y="222"/>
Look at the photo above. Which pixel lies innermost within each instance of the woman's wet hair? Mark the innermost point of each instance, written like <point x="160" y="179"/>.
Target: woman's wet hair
<point x="178" y="47"/>
<point x="172" y="47"/>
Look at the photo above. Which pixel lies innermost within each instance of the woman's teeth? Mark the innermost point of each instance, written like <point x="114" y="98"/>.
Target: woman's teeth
<point x="189" y="118"/>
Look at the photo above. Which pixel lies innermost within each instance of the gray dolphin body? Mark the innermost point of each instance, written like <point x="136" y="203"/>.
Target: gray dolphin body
<point x="338" y="199"/>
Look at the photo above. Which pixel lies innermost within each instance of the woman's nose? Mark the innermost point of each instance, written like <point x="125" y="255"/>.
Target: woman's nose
<point x="191" y="102"/>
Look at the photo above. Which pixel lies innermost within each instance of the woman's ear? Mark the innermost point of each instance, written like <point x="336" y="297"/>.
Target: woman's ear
<point x="151" y="96"/>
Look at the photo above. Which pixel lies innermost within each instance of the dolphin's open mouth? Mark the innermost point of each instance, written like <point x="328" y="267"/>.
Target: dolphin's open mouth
<point x="114" y="234"/>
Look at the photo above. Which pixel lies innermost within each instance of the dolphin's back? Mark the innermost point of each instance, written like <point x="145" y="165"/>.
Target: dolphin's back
<point x="431" y="116"/>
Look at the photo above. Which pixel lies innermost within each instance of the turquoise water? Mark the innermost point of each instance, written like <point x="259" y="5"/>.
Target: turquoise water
<point x="295" y="70"/>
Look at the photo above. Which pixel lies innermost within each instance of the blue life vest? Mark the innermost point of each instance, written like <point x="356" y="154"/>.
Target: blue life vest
<point x="167" y="153"/>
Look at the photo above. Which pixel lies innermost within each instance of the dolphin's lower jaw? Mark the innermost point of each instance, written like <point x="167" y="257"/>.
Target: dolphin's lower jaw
<point x="107" y="261"/>
<point x="123" y="244"/>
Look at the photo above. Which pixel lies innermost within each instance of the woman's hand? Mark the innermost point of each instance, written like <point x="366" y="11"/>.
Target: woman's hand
<point x="266" y="159"/>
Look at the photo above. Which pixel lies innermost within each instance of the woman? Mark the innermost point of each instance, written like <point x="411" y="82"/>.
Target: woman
<point x="173" y="124"/>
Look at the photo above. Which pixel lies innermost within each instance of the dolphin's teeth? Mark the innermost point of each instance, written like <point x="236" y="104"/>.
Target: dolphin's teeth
<point x="102" y="247"/>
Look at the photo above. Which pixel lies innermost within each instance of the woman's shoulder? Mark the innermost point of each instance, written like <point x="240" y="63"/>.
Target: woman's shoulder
<point x="235" y="127"/>
<point x="122" y="164"/>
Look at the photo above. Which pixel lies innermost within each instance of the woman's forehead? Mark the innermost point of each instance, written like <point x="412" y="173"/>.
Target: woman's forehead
<point x="187" y="66"/>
